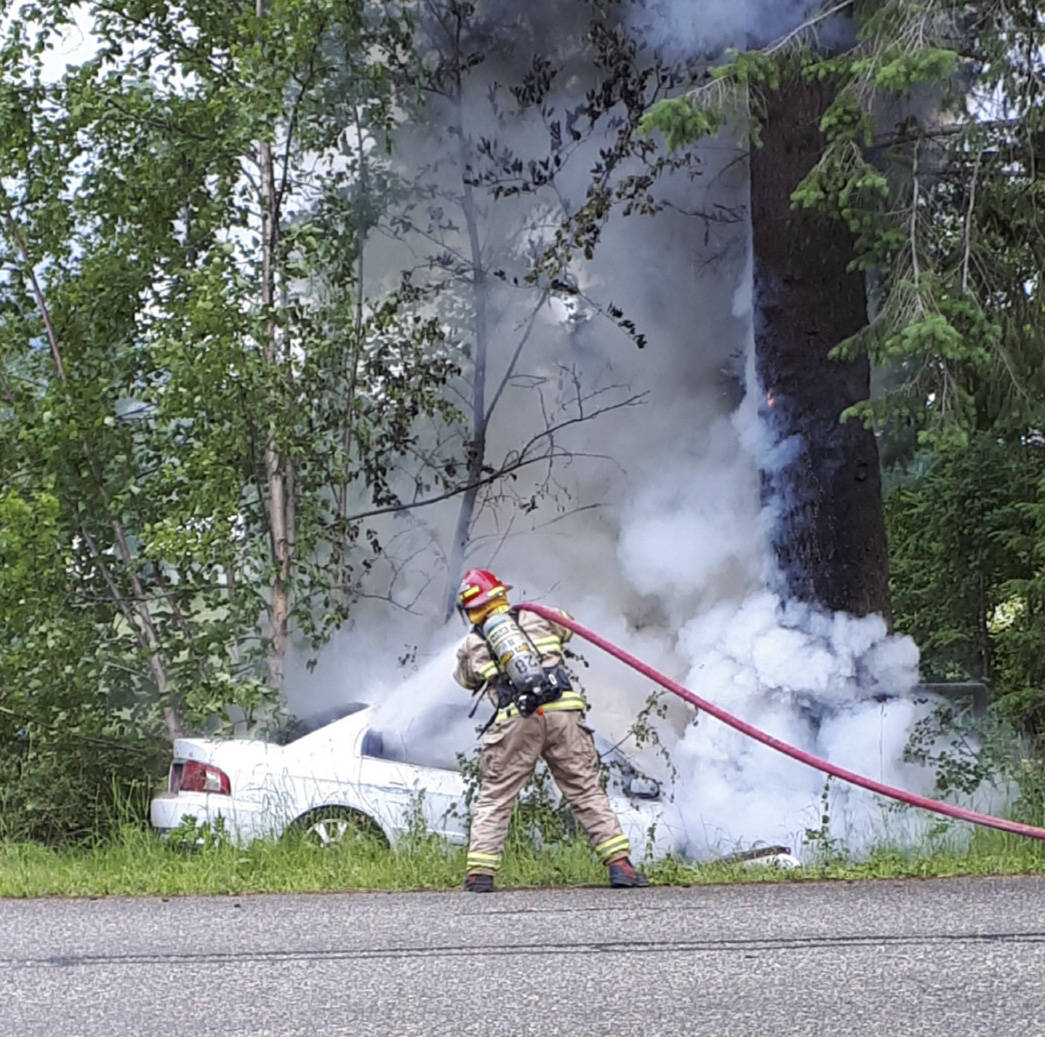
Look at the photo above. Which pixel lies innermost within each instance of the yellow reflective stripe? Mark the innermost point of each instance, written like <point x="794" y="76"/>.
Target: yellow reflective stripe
<point x="548" y="645"/>
<point x="487" y="671"/>
<point x="471" y="592"/>
<point x="569" y="700"/>
<point x="483" y="860"/>
<point x="614" y="847"/>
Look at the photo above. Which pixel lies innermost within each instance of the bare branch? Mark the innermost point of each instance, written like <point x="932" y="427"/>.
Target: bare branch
<point x="160" y="124"/>
<point x="806" y="26"/>
<point x="295" y="111"/>
<point x="914" y="213"/>
<point x="90" y="739"/>
<point x="968" y="223"/>
<point x="16" y="235"/>
<point x="520" y="461"/>
<point x="520" y="346"/>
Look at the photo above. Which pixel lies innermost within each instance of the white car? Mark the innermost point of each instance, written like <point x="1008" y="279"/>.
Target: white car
<point x="340" y="775"/>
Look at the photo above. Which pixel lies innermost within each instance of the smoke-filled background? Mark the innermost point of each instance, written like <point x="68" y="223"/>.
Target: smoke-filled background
<point x="647" y="524"/>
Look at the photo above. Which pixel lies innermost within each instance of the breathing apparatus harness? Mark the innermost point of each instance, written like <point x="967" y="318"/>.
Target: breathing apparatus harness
<point x="521" y="679"/>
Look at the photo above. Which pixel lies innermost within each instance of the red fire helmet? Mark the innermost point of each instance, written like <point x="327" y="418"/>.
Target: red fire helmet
<point x="479" y="587"/>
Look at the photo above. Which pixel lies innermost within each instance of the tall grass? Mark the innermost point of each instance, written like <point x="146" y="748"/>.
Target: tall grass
<point x="136" y="861"/>
<point x="544" y="848"/>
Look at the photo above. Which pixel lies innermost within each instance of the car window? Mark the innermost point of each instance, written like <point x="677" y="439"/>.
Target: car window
<point x="376" y="744"/>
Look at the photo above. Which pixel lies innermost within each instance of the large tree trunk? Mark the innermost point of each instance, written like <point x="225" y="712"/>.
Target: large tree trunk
<point x="824" y="483"/>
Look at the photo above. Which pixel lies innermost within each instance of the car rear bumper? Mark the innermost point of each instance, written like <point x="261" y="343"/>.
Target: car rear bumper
<point x="242" y="820"/>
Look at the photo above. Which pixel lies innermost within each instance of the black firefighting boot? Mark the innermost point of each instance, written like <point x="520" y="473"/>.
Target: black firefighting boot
<point x="623" y="874"/>
<point x="478" y="883"/>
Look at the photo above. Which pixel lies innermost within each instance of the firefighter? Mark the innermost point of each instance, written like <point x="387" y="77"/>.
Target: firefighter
<point x="517" y="656"/>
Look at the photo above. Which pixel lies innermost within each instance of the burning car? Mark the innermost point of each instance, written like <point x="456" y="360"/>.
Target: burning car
<point x="327" y="780"/>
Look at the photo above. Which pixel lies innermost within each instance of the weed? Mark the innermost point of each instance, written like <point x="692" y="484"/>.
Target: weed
<point x="198" y="835"/>
<point x="824" y="849"/>
<point x="645" y="731"/>
<point x="964" y="750"/>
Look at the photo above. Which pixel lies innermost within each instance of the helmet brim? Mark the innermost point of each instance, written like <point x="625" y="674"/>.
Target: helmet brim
<point x="486" y="597"/>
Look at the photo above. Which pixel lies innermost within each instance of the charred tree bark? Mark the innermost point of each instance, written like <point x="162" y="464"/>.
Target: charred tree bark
<point x="823" y="483"/>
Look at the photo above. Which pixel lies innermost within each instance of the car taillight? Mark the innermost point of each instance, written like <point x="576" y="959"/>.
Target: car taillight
<point x="193" y="776"/>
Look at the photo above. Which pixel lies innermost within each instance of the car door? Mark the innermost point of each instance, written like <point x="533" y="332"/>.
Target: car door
<point x="436" y="792"/>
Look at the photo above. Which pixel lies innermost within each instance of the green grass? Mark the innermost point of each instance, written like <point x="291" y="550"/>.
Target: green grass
<point x="137" y="862"/>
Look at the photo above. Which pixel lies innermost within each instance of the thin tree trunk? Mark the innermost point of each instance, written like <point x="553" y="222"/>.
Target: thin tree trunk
<point x="342" y="542"/>
<point x="476" y="447"/>
<point x="278" y="473"/>
<point x="146" y="635"/>
<point x="824" y="486"/>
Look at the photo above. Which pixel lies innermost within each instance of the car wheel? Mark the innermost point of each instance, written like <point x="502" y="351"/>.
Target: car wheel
<point x="333" y="826"/>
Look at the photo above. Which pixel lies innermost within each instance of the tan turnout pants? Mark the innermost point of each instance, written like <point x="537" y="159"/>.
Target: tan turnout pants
<point x="510" y="753"/>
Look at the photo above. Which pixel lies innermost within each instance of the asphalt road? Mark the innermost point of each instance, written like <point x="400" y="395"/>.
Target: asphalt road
<point x="951" y="957"/>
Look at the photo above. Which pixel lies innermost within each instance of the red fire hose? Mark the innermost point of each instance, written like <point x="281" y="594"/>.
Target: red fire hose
<point x="775" y="743"/>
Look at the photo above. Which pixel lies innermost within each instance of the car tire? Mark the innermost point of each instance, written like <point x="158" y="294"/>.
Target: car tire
<point x="335" y="826"/>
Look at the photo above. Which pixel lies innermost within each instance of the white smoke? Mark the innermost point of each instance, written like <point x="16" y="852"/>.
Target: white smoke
<point x="707" y="27"/>
<point x="656" y="536"/>
<point x="831" y="685"/>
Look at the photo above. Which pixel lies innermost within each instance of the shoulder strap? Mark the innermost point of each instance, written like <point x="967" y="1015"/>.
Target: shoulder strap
<point x="514" y="613"/>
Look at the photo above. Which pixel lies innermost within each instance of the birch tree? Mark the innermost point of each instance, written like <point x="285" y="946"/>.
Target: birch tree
<point x="186" y="372"/>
